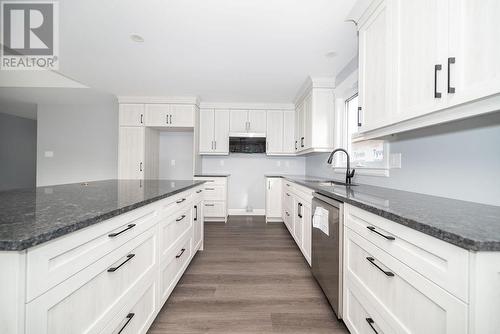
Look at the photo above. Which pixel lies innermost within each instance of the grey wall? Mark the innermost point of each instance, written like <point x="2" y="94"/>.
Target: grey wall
<point x="84" y="139"/>
<point x="17" y="152"/>
<point x="177" y="146"/>
<point x="459" y="160"/>
<point x="247" y="184"/>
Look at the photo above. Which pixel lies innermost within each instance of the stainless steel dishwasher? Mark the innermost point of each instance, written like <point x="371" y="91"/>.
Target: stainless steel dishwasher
<point x="327" y="235"/>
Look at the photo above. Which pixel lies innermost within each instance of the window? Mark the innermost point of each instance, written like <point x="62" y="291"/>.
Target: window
<point x="368" y="157"/>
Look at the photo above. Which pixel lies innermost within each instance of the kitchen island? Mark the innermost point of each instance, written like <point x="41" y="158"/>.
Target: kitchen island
<point x="95" y="257"/>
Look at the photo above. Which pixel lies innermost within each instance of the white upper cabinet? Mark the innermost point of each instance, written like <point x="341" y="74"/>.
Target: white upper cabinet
<point x="131" y="115"/>
<point x="182" y="115"/>
<point x="288" y="132"/>
<point x="474" y="56"/>
<point x="214" y="131"/>
<point x="257" y="121"/>
<point x="420" y="45"/>
<point x="221" y="131"/>
<point x="426" y="62"/>
<point x="280" y="132"/>
<point x="315" y="115"/>
<point x="207" y="126"/>
<point x="274" y="137"/>
<point x="247" y="121"/>
<point x="373" y="69"/>
<point x="238" y="121"/>
<point x="170" y="115"/>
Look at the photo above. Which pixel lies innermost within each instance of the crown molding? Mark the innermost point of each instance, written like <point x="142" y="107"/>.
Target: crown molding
<point x="160" y="99"/>
<point x="247" y="106"/>
<point x="314" y="82"/>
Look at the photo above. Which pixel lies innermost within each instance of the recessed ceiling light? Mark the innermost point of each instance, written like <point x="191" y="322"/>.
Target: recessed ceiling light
<point x="331" y="54"/>
<point x="137" y="38"/>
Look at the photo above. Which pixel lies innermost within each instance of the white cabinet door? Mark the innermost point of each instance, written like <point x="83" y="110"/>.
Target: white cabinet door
<point x="182" y="115"/>
<point x="288" y="132"/>
<point x="238" y="120"/>
<point x="131" y="115"/>
<point x="307" y="230"/>
<point x="198" y="224"/>
<point x="207" y="128"/>
<point x="299" y="127"/>
<point x="274" y="132"/>
<point x="307" y="127"/>
<point x="221" y="131"/>
<point x="257" y="121"/>
<point x="273" y="197"/>
<point x="158" y="115"/>
<point x="374" y="70"/>
<point x="475" y="48"/>
<point x="420" y="48"/>
<point x="131" y="153"/>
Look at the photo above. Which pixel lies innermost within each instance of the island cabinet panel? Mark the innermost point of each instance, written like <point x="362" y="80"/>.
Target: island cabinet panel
<point x="52" y="263"/>
<point x="86" y="302"/>
<point x="111" y="277"/>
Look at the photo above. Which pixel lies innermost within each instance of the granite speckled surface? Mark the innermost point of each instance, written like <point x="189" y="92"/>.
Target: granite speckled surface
<point x="29" y="217"/>
<point x="468" y="225"/>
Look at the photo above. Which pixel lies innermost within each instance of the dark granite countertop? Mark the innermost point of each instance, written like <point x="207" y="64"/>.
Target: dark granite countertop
<point x="469" y="225"/>
<point x="29" y="217"/>
<point x="212" y="175"/>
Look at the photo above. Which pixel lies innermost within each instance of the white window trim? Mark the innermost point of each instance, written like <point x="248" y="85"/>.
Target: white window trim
<point x="346" y="90"/>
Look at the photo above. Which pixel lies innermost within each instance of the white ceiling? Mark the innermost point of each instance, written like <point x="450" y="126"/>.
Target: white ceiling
<point x="220" y="50"/>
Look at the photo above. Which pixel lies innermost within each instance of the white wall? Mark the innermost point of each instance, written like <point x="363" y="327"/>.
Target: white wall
<point x="176" y="146"/>
<point x="17" y="152"/>
<point x="246" y="183"/>
<point x="83" y="138"/>
<point x="459" y="160"/>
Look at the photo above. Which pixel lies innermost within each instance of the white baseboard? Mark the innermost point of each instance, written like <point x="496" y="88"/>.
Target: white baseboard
<point x="243" y="212"/>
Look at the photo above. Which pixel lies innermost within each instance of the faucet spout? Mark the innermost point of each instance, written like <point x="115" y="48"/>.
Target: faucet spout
<point x="349" y="174"/>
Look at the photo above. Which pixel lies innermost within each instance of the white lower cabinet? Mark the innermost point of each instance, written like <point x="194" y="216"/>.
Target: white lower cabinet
<point x="112" y="277"/>
<point x="215" y="197"/>
<point x="273" y="199"/>
<point x="399" y="280"/>
<point x="407" y="302"/>
<point x="296" y="214"/>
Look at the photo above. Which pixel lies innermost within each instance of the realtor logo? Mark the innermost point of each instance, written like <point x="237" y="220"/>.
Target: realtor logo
<point x="30" y="36"/>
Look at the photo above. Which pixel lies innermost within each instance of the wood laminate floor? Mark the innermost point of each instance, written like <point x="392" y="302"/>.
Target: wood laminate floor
<point x="251" y="278"/>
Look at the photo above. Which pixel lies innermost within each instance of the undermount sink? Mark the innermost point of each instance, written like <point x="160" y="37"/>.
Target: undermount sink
<point x="333" y="183"/>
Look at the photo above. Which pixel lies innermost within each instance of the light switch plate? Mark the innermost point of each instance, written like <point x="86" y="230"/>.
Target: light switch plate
<point x="172" y="162"/>
<point x="49" y="154"/>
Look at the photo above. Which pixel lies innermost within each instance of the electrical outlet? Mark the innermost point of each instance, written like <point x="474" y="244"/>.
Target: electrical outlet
<point x="278" y="163"/>
<point x="287" y="163"/>
<point x="172" y="162"/>
<point x="395" y="160"/>
<point x="49" y="154"/>
<point x="221" y="162"/>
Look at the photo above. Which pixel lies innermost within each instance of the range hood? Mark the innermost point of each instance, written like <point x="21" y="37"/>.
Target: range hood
<point x="247" y="144"/>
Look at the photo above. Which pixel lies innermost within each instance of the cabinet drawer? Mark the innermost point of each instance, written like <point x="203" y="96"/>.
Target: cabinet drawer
<point x="287" y="199"/>
<point x="411" y="303"/>
<point x="212" y="181"/>
<point x="173" y="229"/>
<point x="442" y="263"/>
<point x="172" y="206"/>
<point x="214" y="192"/>
<point x="173" y="266"/>
<point x="361" y="317"/>
<point x="54" y="262"/>
<point x="86" y="302"/>
<point x="138" y="313"/>
<point x="214" y="209"/>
